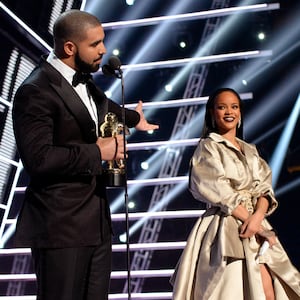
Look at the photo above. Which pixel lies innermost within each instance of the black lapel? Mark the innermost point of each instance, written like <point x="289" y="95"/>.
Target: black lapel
<point x="73" y="102"/>
<point x="100" y="100"/>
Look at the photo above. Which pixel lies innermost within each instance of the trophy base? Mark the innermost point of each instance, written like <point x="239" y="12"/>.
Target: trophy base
<point x="115" y="177"/>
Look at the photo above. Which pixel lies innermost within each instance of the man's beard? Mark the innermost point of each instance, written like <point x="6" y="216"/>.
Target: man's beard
<point x="84" y="67"/>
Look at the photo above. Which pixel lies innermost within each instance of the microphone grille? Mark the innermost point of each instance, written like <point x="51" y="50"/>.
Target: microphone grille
<point x="114" y="62"/>
<point x="108" y="70"/>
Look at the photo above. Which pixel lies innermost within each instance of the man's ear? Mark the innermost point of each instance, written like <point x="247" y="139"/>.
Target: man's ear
<point x="70" y="48"/>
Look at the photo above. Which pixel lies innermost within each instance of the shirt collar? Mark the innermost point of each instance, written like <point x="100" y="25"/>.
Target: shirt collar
<point x="66" y="71"/>
<point x="220" y="139"/>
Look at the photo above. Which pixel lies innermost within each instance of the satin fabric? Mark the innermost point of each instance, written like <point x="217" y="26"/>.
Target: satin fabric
<point x="224" y="177"/>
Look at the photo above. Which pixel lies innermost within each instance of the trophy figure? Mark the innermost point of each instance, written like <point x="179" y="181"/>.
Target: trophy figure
<point x="115" y="172"/>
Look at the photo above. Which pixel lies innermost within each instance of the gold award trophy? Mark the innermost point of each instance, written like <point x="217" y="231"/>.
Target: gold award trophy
<point x="115" y="172"/>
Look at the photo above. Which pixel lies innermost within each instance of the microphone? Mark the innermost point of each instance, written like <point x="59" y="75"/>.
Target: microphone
<point x="113" y="68"/>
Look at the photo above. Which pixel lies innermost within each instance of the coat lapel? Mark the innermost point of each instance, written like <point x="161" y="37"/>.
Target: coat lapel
<point x="100" y="100"/>
<point x="72" y="101"/>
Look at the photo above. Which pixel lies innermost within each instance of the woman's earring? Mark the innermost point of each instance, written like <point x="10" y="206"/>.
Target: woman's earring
<point x="239" y="123"/>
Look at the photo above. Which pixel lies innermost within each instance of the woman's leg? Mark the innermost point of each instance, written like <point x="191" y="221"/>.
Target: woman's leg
<point x="267" y="282"/>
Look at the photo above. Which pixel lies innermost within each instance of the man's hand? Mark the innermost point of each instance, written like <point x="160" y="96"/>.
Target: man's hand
<point x="111" y="147"/>
<point x="143" y="124"/>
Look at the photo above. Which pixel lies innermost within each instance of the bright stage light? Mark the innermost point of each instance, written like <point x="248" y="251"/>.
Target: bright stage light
<point x="130" y="2"/>
<point x="122" y="238"/>
<point x="182" y="44"/>
<point x="145" y="165"/>
<point x="261" y="36"/>
<point x="116" y="52"/>
<point x="169" y="88"/>
<point x="131" y="205"/>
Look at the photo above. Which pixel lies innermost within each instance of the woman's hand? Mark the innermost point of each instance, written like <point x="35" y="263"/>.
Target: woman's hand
<point x="252" y="225"/>
<point x="268" y="235"/>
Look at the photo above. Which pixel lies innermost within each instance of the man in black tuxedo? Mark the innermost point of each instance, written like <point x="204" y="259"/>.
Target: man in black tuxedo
<point x="65" y="218"/>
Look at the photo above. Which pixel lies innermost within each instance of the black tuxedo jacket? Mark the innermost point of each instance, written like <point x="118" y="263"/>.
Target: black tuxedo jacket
<point x="56" y="137"/>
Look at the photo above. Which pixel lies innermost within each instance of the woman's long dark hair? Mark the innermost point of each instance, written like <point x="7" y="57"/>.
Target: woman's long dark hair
<point x="208" y="125"/>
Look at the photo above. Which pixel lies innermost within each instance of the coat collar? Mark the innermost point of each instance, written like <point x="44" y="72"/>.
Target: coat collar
<point x="220" y="139"/>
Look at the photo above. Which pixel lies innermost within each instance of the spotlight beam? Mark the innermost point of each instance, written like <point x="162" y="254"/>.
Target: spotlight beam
<point x="284" y="141"/>
<point x="191" y="16"/>
<point x="288" y="187"/>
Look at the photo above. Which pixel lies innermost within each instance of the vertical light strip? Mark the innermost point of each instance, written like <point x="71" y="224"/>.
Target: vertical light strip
<point x="18" y="69"/>
<point x="55" y="12"/>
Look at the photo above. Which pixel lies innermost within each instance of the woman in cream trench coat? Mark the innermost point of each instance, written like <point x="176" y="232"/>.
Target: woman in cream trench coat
<point x="221" y="260"/>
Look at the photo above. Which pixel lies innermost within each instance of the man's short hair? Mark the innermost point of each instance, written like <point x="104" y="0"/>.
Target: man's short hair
<point x="72" y="26"/>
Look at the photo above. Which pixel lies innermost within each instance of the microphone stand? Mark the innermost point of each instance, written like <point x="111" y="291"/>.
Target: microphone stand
<point x="120" y="75"/>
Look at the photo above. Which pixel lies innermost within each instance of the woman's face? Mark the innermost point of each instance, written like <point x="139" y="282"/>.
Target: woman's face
<point x="226" y="112"/>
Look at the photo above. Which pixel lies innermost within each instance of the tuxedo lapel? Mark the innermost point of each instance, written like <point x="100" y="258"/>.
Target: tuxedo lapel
<point x="72" y="101"/>
<point x="99" y="99"/>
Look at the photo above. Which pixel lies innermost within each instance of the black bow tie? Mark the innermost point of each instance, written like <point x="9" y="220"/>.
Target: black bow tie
<point x="81" y="78"/>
